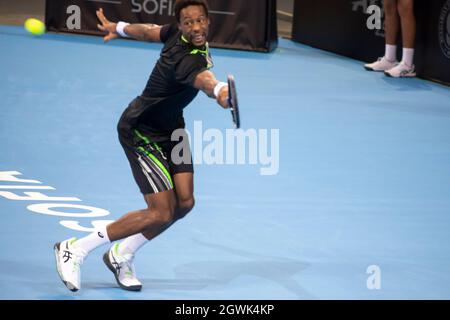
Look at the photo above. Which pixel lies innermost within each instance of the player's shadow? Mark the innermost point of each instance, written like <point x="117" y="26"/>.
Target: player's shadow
<point x="415" y="85"/>
<point x="202" y="274"/>
<point x="406" y="85"/>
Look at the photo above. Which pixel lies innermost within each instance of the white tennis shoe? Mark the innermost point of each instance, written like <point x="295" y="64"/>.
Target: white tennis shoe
<point x="69" y="259"/>
<point x="382" y="64"/>
<point x="123" y="268"/>
<point x="402" y="70"/>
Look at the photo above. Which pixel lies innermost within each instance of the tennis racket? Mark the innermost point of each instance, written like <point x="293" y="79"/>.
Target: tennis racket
<point x="233" y="102"/>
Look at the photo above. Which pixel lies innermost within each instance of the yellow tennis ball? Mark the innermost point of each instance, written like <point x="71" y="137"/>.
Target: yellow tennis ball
<point x="35" y="26"/>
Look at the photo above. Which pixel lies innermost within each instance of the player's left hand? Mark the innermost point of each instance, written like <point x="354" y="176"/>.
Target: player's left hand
<point x="107" y="26"/>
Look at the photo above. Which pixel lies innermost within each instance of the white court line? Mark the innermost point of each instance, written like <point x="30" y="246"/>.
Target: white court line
<point x="28" y="187"/>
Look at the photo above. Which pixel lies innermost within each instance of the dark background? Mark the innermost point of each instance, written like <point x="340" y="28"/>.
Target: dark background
<point x="342" y="30"/>
<point x="15" y="12"/>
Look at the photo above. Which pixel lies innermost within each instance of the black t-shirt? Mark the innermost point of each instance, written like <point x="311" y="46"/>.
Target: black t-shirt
<point x="170" y="88"/>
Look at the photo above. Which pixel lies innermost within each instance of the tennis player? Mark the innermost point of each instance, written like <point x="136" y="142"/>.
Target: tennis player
<point x="145" y="130"/>
<point x="393" y="9"/>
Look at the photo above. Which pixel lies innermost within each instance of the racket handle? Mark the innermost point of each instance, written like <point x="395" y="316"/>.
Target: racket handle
<point x="230" y="104"/>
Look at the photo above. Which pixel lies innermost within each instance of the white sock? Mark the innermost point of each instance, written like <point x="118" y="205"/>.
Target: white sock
<point x="94" y="240"/>
<point x="131" y="244"/>
<point x="408" y="56"/>
<point x="391" y="52"/>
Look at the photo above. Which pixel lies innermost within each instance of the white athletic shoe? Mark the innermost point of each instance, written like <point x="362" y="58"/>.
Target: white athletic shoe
<point x="69" y="259"/>
<point x="402" y="70"/>
<point x="382" y="64"/>
<point x="123" y="269"/>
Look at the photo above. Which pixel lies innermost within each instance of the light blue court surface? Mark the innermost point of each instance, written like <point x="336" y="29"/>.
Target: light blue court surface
<point x="363" y="182"/>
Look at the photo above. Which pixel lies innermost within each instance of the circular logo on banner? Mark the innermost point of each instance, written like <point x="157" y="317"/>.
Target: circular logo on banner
<point x="444" y="29"/>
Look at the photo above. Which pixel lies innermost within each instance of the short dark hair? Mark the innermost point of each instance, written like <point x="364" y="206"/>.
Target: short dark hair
<point x="181" y="4"/>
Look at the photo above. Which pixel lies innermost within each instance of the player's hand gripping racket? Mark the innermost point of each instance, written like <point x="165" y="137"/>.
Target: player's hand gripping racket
<point x="233" y="102"/>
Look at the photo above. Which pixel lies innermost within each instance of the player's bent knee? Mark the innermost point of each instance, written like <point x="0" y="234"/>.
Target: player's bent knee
<point x="188" y="204"/>
<point x="161" y="216"/>
<point x="184" y="207"/>
<point x="165" y="219"/>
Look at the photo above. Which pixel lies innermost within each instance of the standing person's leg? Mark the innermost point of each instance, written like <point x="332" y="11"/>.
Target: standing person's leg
<point x="408" y="22"/>
<point x="391" y="25"/>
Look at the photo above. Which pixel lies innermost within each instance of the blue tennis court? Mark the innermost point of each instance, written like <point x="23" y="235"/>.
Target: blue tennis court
<point x="357" y="205"/>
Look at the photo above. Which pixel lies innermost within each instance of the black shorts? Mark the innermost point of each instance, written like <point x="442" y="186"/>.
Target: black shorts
<point x="153" y="164"/>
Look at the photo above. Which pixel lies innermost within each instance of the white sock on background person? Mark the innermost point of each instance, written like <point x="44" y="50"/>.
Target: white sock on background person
<point x="94" y="240"/>
<point x="131" y="244"/>
<point x="391" y="52"/>
<point x="408" y="56"/>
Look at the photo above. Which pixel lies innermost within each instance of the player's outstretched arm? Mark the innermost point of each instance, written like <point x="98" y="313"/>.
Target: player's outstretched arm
<point x="142" y="32"/>
<point x="207" y="82"/>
